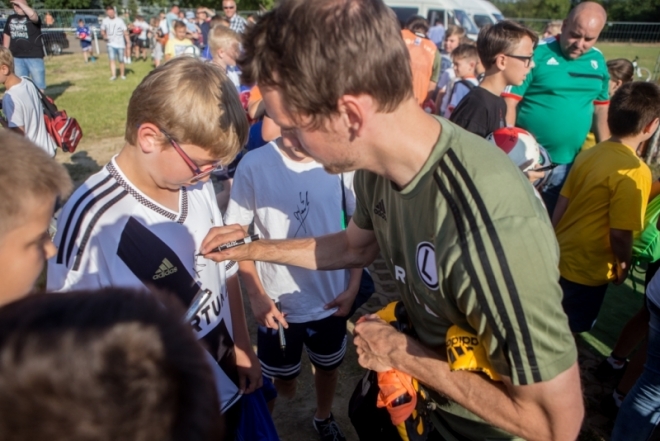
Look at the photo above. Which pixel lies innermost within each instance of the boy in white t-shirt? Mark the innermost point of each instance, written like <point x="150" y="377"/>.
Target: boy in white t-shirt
<point x="142" y="39"/>
<point x="140" y="221"/>
<point x="115" y="33"/>
<point x="22" y="106"/>
<point x="287" y="194"/>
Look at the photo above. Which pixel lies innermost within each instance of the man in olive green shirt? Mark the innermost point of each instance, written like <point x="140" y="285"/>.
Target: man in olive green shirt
<point x="463" y="232"/>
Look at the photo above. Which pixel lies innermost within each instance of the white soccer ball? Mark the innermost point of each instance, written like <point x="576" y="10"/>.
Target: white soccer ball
<point x="191" y="51"/>
<point x="520" y="145"/>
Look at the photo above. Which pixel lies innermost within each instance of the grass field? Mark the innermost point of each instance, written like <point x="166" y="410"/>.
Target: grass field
<point x="648" y="54"/>
<point x="86" y="92"/>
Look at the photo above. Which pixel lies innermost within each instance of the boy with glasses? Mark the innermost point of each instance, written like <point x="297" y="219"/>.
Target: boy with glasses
<point x="505" y="50"/>
<point x="140" y="221"/>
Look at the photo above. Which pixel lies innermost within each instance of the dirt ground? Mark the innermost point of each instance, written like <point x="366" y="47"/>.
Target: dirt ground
<point x="293" y="418"/>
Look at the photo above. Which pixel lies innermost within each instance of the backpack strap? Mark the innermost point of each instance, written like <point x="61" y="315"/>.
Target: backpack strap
<point x="465" y="83"/>
<point x="50" y="109"/>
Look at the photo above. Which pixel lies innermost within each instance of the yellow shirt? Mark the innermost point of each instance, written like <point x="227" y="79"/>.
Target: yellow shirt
<point x="608" y="187"/>
<point x="175" y="47"/>
<point x="589" y="142"/>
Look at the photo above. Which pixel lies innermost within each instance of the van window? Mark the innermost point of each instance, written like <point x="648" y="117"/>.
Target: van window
<point x="498" y="17"/>
<point x="403" y="13"/>
<point x="464" y="20"/>
<point x="436" y="14"/>
<point x="482" y="20"/>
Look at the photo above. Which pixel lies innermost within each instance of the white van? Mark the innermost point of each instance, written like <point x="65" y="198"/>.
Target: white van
<point x="448" y="11"/>
<point x="482" y="12"/>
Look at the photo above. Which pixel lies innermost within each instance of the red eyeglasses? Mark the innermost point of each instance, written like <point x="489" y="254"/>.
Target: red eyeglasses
<point x="199" y="173"/>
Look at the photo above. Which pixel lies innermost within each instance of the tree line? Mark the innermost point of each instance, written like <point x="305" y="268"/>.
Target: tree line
<point x="617" y="10"/>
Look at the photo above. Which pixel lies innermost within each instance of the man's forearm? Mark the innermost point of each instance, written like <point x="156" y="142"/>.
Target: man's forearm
<point x="29" y="12"/>
<point x="327" y="252"/>
<point x="602" y="129"/>
<point x="494" y="401"/>
<point x="621" y="243"/>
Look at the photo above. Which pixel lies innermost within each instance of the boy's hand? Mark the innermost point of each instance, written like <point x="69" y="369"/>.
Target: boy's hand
<point x="532" y="175"/>
<point x="249" y="370"/>
<point x="620" y="272"/>
<point x="343" y="301"/>
<point x="265" y="312"/>
<point x="221" y="235"/>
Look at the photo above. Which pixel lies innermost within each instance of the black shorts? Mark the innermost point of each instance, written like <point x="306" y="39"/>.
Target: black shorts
<point x="144" y="44"/>
<point x="324" y="340"/>
<point x="582" y="304"/>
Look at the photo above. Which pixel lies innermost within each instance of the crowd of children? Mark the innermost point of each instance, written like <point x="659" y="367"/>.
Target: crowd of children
<point x="136" y="240"/>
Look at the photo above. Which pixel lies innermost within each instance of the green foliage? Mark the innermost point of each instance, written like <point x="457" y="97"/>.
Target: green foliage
<point x="633" y="10"/>
<point x="617" y="10"/>
<point x="132" y="8"/>
<point x="243" y="5"/>
<point x="67" y="4"/>
<point x="551" y="9"/>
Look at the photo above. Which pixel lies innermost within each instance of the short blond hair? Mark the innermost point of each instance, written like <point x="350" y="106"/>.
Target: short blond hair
<point x="222" y="37"/>
<point x="195" y="103"/>
<point x="27" y="173"/>
<point x="6" y="58"/>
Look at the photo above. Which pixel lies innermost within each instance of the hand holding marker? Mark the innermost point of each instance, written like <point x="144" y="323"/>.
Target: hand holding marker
<point x="234" y="243"/>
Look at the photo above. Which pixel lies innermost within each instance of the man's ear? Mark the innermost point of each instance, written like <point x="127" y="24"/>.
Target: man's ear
<point x="149" y="138"/>
<point x="354" y="111"/>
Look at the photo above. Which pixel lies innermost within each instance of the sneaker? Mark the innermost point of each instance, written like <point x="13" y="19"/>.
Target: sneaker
<point x="112" y="78"/>
<point x="605" y="371"/>
<point x="328" y="429"/>
<point x="123" y="77"/>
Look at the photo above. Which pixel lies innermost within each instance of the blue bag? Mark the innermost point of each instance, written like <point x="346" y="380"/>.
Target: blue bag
<point x="256" y="423"/>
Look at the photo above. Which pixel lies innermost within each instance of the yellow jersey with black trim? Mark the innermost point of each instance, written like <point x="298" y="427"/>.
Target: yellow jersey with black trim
<point x="469" y="243"/>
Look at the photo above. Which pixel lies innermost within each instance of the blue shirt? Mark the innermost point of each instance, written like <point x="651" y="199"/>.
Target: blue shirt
<point x="437" y="34"/>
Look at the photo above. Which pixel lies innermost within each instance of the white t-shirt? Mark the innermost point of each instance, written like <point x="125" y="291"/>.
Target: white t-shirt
<point x="114" y="29"/>
<point x="289" y="199"/>
<point x="111" y="234"/>
<point x="22" y="107"/>
<point x="144" y="27"/>
<point x="164" y="27"/>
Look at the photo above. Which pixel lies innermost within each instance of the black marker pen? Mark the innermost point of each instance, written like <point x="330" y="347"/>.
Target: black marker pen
<point x="235" y="243"/>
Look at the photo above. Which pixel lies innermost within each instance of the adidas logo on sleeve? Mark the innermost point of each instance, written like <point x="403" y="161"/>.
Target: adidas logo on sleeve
<point x="379" y="210"/>
<point x="552" y="62"/>
<point x="165" y="269"/>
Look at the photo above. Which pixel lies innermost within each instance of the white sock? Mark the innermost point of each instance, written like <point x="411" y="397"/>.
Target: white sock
<point x="616" y="363"/>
